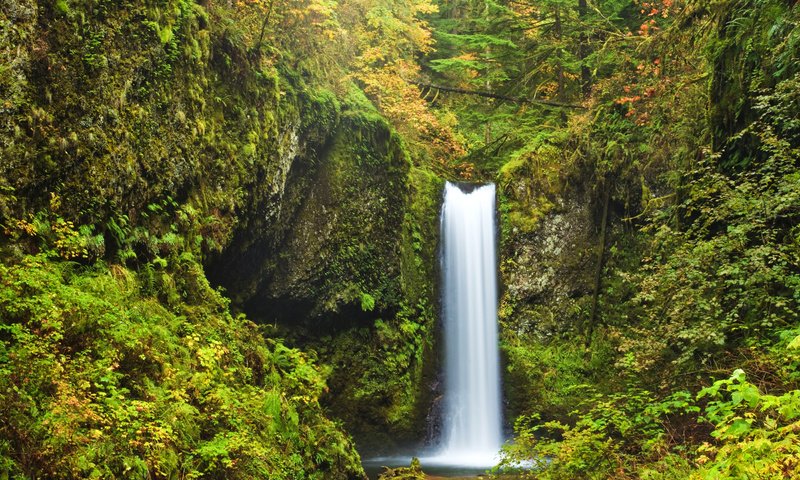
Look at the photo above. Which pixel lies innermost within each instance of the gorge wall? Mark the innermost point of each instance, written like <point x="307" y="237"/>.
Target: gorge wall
<point x="158" y="131"/>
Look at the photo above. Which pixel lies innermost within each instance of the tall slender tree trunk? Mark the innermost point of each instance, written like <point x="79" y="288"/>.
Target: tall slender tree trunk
<point x="558" y="29"/>
<point x="264" y="24"/>
<point x="598" y="272"/>
<point x="583" y="50"/>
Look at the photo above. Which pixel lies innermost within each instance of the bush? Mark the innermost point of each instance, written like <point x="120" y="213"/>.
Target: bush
<point x="98" y="380"/>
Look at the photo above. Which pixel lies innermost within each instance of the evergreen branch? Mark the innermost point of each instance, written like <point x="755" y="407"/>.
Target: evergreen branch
<point x="496" y="96"/>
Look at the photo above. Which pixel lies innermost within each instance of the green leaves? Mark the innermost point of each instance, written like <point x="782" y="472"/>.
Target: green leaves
<point x="607" y="434"/>
<point x="99" y="379"/>
<point x="754" y="435"/>
<point x="755" y="432"/>
<point x="367" y="302"/>
<point x="728" y="277"/>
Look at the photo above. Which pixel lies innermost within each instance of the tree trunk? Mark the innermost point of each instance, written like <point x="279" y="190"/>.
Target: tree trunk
<point x="583" y="50"/>
<point x="560" y="66"/>
<point x="598" y="273"/>
<point x="497" y="96"/>
<point x="264" y="25"/>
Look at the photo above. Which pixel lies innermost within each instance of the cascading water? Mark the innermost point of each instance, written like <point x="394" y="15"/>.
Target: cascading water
<point x="472" y="433"/>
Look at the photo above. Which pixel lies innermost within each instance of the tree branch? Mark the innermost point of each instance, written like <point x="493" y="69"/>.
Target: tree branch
<point x="497" y="96"/>
<point x="264" y="25"/>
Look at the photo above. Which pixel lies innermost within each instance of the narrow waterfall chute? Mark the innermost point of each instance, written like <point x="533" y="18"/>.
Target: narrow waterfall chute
<point x="472" y="432"/>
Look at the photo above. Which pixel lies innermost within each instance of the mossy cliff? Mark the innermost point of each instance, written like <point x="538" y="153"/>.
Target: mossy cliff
<point x="144" y="142"/>
<point x="119" y="105"/>
<point x="350" y="271"/>
<point x="549" y="235"/>
<point x="650" y="259"/>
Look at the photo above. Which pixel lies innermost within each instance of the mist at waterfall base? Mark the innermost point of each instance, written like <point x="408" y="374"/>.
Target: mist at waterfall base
<point x="471" y="434"/>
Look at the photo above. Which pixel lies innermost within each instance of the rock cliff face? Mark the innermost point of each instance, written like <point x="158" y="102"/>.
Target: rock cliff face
<point x="117" y="108"/>
<point x="345" y="263"/>
<point x="547" y="272"/>
<point x="329" y="234"/>
<point x="308" y="210"/>
<point x="550" y="234"/>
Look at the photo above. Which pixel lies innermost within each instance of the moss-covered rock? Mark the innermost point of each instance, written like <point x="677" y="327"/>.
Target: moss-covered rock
<point x="133" y="131"/>
<point x="412" y="472"/>
<point x="549" y="227"/>
<point x="348" y="268"/>
<point x="551" y="233"/>
<point x="121" y="105"/>
<point x="339" y="245"/>
<point x="386" y="364"/>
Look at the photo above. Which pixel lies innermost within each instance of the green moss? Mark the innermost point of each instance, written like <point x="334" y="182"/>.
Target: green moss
<point x="355" y="99"/>
<point x="100" y="379"/>
<point x="529" y="184"/>
<point x="420" y="241"/>
<point x="116" y="106"/>
<point x="162" y="129"/>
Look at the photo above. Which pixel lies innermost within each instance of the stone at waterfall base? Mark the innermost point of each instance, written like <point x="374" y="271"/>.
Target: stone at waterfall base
<point x="412" y="472"/>
<point x="415" y="472"/>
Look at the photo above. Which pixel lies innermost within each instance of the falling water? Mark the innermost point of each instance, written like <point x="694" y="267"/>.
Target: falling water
<point x="472" y="433"/>
<point x="472" y="430"/>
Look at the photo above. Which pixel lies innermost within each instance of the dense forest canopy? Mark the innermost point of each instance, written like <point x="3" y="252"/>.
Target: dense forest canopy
<point x="220" y="228"/>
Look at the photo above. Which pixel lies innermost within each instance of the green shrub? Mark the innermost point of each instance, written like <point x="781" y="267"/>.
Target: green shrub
<point x="98" y="379"/>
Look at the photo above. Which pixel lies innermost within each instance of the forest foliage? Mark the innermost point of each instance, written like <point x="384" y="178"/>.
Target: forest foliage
<point x="681" y="125"/>
<point x="136" y="137"/>
<point x="110" y="372"/>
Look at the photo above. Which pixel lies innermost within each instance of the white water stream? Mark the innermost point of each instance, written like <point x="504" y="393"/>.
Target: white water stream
<point x="472" y="431"/>
<point x="472" y="434"/>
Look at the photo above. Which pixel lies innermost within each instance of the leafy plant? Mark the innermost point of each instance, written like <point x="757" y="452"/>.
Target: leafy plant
<point x="101" y="380"/>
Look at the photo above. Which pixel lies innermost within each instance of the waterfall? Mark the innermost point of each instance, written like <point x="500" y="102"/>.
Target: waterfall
<point x="472" y="433"/>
